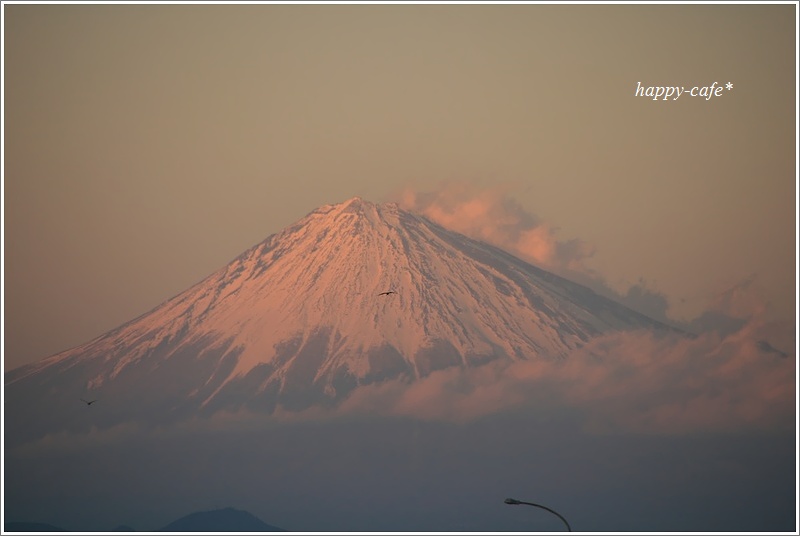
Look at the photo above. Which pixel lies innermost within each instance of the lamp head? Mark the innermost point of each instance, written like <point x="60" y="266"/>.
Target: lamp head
<point x="512" y="501"/>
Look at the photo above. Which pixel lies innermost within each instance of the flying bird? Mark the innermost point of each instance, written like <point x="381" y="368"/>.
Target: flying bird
<point x="387" y="293"/>
<point x="88" y="402"/>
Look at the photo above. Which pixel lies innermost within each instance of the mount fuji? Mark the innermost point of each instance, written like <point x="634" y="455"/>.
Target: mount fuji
<point x="352" y="294"/>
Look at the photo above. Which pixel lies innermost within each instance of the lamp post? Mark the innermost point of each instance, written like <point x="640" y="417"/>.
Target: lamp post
<point x="514" y="501"/>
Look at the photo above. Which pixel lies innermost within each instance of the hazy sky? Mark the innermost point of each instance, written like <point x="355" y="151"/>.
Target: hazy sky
<point x="148" y="145"/>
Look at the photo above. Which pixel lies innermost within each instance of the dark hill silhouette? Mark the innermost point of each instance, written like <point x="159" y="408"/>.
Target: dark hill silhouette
<point x="25" y="526"/>
<point x="224" y="520"/>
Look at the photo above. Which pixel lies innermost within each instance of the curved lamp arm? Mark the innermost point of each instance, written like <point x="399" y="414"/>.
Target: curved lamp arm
<point x="514" y="501"/>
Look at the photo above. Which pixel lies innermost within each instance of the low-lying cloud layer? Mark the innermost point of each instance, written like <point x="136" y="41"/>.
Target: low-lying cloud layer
<point x="635" y="382"/>
<point x="638" y="382"/>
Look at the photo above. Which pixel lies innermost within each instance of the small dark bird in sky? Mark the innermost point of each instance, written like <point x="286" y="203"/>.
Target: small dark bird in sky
<point x="88" y="402"/>
<point x="387" y="293"/>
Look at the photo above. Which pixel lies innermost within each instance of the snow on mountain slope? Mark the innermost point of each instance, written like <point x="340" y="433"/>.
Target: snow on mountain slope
<point x="298" y="319"/>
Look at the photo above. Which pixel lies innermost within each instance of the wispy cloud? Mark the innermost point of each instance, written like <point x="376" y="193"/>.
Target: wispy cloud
<point x="493" y="216"/>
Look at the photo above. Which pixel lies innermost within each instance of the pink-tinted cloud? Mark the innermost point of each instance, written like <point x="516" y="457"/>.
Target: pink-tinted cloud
<point x="636" y="382"/>
<point x="492" y="216"/>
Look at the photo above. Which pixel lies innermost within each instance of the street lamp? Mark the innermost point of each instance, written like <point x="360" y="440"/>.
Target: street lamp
<point x="514" y="501"/>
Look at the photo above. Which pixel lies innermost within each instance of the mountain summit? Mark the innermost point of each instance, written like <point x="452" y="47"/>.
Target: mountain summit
<point x="352" y="294"/>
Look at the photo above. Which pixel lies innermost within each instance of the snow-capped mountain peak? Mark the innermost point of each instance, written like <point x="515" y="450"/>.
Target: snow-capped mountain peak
<point x="307" y="315"/>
